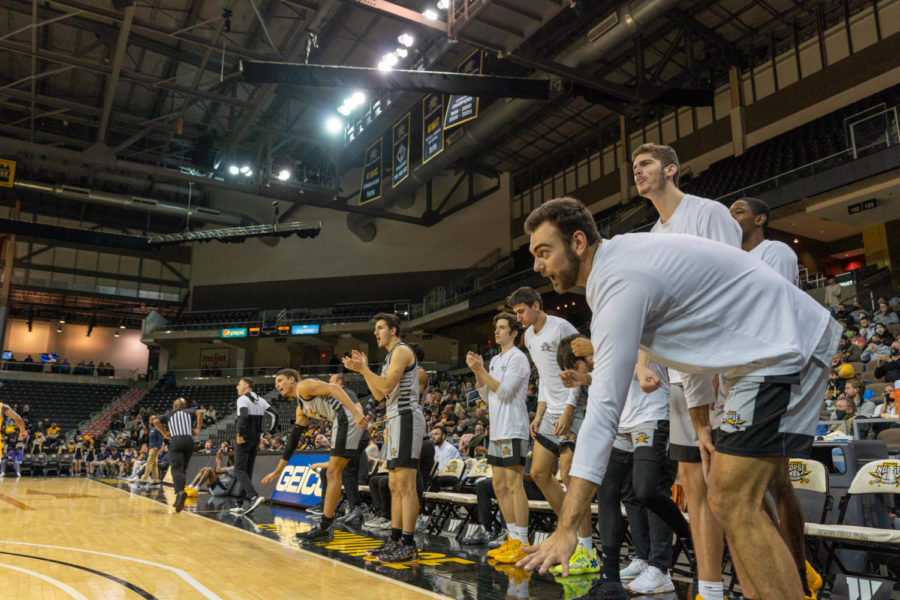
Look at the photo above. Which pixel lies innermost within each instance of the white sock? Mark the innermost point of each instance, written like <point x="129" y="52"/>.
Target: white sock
<point x="711" y="590"/>
<point x="511" y="530"/>
<point x="522" y="535"/>
<point x="587" y="542"/>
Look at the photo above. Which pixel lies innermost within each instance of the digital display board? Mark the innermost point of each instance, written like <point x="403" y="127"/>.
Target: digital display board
<point x="234" y="332"/>
<point x="304" y="329"/>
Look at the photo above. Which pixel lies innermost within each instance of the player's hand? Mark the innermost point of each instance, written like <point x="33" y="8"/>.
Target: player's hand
<point x="271" y="477"/>
<point x="563" y="424"/>
<point x="582" y="347"/>
<point x="23" y="435"/>
<point x="533" y="426"/>
<point x="648" y="379"/>
<point x="480" y="451"/>
<point x="707" y="449"/>
<point x="555" y="550"/>
<point x="473" y="360"/>
<point x="355" y="362"/>
<point x="571" y="378"/>
<point x="362" y="422"/>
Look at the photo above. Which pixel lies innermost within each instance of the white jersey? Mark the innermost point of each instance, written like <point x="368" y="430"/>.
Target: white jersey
<point x="542" y="348"/>
<point x="327" y="408"/>
<point x="506" y="406"/>
<point x="780" y="257"/>
<point x="641" y="407"/>
<point x="694" y="305"/>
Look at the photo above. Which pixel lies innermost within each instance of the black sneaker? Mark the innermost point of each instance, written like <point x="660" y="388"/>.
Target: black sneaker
<point x="385" y="546"/>
<point x="399" y="553"/>
<point x="606" y="590"/>
<point x="318" y="509"/>
<point x="180" y="497"/>
<point x="479" y="536"/>
<point x="317" y="533"/>
<point x="498" y="540"/>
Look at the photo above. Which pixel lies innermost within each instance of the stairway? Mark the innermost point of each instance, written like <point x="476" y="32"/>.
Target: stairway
<point x="123" y="403"/>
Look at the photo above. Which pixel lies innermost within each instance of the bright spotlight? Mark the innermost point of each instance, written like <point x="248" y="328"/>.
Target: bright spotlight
<point x="390" y="59"/>
<point x="443" y="4"/>
<point x="430" y="14"/>
<point x="245" y="169"/>
<point x="344" y="109"/>
<point x="383" y="66"/>
<point x="284" y="175"/>
<point x="248" y="173"/>
<point x="406" y="39"/>
<point x="358" y="98"/>
<point x="401" y="52"/>
<point x="333" y="125"/>
<point x="233" y="169"/>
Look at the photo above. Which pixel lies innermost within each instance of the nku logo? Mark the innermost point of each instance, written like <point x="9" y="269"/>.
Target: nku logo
<point x="299" y="479"/>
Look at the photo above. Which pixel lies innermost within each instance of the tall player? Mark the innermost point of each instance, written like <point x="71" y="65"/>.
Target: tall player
<point x="677" y="298"/>
<point x="8" y="413"/>
<point x="398" y="386"/>
<point x="656" y="170"/>
<point x="753" y="217"/>
<point x="504" y="386"/>
<point x="551" y="427"/>
<point x="330" y="402"/>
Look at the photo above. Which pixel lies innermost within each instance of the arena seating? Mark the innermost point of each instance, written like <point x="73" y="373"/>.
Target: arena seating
<point x="213" y="319"/>
<point x="66" y="404"/>
<point x="223" y="397"/>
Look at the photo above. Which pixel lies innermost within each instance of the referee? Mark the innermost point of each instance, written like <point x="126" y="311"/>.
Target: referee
<point x="180" y="422"/>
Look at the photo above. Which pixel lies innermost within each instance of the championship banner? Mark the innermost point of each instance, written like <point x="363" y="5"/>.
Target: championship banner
<point x="214" y="358"/>
<point x="461" y="109"/>
<point x="432" y="126"/>
<point x="7" y="172"/>
<point x="400" y="150"/>
<point x="298" y="483"/>
<point x="370" y="189"/>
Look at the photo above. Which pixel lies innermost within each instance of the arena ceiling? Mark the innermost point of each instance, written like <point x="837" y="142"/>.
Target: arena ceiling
<point x="144" y="98"/>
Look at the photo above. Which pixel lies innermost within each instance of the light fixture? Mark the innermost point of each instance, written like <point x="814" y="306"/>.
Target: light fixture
<point x="358" y="98"/>
<point x="116" y="334"/>
<point x="383" y="66"/>
<point x="234" y="170"/>
<point x="333" y="125"/>
<point x="344" y="109"/>
<point x="245" y="169"/>
<point x="121" y="325"/>
<point x="401" y="52"/>
<point x="796" y="241"/>
<point x="283" y="175"/>
<point x="430" y="14"/>
<point x="406" y="39"/>
<point x="443" y="4"/>
<point x="390" y="59"/>
<point x="58" y="329"/>
<point x="62" y="320"/>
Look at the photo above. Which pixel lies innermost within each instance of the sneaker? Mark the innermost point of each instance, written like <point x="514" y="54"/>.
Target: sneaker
<point x="651" y="581"/>
<point x="384" y="524"/>
<point x="479" y="536"/>
<point x="513" y="553"/>
<point x="499" y="549"/>
<point x="316" y="533"/>
<point x="637" y="566"/>
<point x="813" y="579"/>
<point x="372" y="521"/>
<point x="399" y="553"/>
<point x="354" y="518"/>
<point x="385" y="546"/>
<point x="180" y="497"/>
<point x="156" y="484"/>
<point x="254" y="504"/>
<point x="191" y="491"/>
<point x="581" y="562"/>
<point x="318" y="509"/>
<point x="607" y="590"/>
<point x="421" y="524"/>
<point x="499" y="539"/>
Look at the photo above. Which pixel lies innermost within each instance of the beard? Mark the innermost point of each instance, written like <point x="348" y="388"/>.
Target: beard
<point x="567" y="276"/>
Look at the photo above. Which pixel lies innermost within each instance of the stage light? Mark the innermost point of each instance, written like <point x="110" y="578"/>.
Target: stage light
<point x="390" y="59"/>
<point x="430" y="14"/>
<point x="58" y="329"/>
<point x="443" y="4"/>
<point x="796" y="241"/>
<point x="62" y="320"/>
<point x="245" y="169"/>
<point x="344" y="109"/>
<point x="406" y="39"/>
<point x="234" y="170"/>
<point x="284" y="175"/>
<point x="358" y="98"/>
<point x="333" y="125"/>
<point x="383" y="66"/>
<point x="121" y="325"/>
<point x="401" y="52"/>
<point x="116" y="334"/>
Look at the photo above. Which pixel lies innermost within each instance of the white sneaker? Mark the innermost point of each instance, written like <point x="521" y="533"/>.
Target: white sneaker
<point x="371" y="522"/>
<point x="385" y="523"/>
<point x="421" y="524"/>
<point x="257" y="502"/>
<point x="651" y="581"/>
<point x="636" y="567"/>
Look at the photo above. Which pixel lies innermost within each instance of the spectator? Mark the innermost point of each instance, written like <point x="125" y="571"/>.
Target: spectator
<point x="479" y="440"/>
<point x="875" y="349"/>
<point x="444" y="451"/>
<point x="832" y="294"/>
<point x="208" y="448"/>
<point x="210" y="415"/>
<point x="888" y="407"/>
<point x="887" y="338"/>
<point x="889" y="368"/>
<point x="885" y="315"/>
<point x="855" y="391"/>
<point x="866" y="328"/>
<point x="100" y="459"/>
<point x="844" y="410"/>
<point x="855" y="349"/>
<point x="14" y="455"/>
<point x="322" y="442"/>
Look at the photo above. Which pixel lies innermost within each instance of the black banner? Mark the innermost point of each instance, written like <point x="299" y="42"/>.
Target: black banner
<point x="400" y="150"/>
<point x="461" y="109"/>
<point x="432" y="126"/>
<point x="370" y="189"/>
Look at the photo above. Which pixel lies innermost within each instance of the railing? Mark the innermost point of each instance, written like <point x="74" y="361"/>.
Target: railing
<point x="66" y="369"/>
<point x="435" y="305"/>
<point x="873" y="131"/>
<point x="842" y="424"/>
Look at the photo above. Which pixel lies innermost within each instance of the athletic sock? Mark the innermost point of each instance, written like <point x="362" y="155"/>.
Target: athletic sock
<point x="511" y="530"/>
<point x="804" y="580"/>
<point x="587" y="543"/>
<point x="408" y="539"/>
<point x="610" y="566"/>
<point x="326" y="522"/>
<point x="522" y="535"/>
<point x="395" y="534"/>
<point x="711" y="590"/>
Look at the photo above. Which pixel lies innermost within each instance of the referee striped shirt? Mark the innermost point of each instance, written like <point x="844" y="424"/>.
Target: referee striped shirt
<point x="180" y="422"/>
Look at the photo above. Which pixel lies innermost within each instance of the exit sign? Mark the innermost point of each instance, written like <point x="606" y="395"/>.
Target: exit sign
<point x="861" y="206"/>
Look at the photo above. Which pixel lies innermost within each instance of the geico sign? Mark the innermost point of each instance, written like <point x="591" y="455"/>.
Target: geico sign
<point x="299" y="480"/>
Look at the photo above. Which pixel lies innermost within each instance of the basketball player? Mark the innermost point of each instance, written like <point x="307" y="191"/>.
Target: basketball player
<point x="656" y="171"/>
<point x="702" y="307"/>
<point x="551" y="427"/>
<point x="504" y="388"/>
<point x="398" y="386"/>
<point x="753" y="217"/>
<point x="8" y="413"/>
<point x="327" y="401"/>
<point x="219" y="478"/>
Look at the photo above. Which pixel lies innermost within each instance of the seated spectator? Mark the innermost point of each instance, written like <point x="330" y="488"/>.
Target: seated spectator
<point x="322" y="442"/>
<point x="479" y="440"/>
<point x="207" y="448"/>
<point x="888" y="368"/>
<point x="844" y="410"/>
<point x="866" y="328"/>
<point x="444" y="451"/>
<point x="37" y="444"/>
<point x="855" y="391"/>
<point x="13" y="455"/>
<point x="64" y="367"/>
<point x="276" y="445"/>
<point x="99" y="460"/>
<point x="854" y="350"/>
<point x="885" y="314"/>
<point x="163" y="459"/>
<point x="887" y="338"/>
<point x="263" y="446"/>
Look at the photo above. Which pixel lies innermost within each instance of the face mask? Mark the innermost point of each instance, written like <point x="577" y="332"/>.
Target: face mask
<point x="894" y="352"/>
<point x="880" y="331"/>
<point x="840" y="414"/>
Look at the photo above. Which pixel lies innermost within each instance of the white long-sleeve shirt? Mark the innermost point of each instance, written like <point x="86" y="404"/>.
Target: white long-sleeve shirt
<point x="506" y="406"/>
<point x="542" y="347"/>
<point x="694" y="305"/>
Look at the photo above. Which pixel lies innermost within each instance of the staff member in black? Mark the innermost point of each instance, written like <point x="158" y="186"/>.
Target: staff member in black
<point x="180" y="422"/>
<point x="250" y="409"/>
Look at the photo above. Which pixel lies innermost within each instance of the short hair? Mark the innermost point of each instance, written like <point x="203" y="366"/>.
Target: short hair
<point x="340" y="377"/>
<point x="392" y="321"/>
<point x="248" y="381"/>
<point x="858" y="384"/>
<point x="293" y="373"/>
<point x="442" y="428"/>
<point x="664" y="154"/>
<point x="513" y="323"/>
<point x="524" y="295"/>
<point x="758" y="207"/>
<point x="565" y="358"/>
<point x="568" y="215"/>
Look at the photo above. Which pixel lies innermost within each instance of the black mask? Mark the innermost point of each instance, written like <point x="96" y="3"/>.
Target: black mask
<point x="895" y="352"/>
<point x="840" y="414"/>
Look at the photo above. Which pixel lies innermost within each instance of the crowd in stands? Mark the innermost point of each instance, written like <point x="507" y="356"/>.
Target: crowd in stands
<point x="63" y="367"/>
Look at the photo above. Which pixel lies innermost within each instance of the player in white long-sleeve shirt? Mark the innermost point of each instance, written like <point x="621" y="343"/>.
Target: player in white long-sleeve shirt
<point x="753" y="214"/>
<point x="504" y="387"/>
<point x="656" y="170"/>
<point x="700" y="307"/>
<point x="553" y="428"/>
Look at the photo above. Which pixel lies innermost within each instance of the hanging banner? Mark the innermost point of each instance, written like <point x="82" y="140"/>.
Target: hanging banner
<point x="432" y="126"/>
<point x="400" y="150"/>
<point x="7" y="172"/>
<point x="461" y="109"/>
<point x="214" y="358"/>
<point x="370" y="188"/>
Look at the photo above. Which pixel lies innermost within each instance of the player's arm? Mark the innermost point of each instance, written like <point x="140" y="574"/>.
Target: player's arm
<point x="157" y="422"/>
<point x="313" y="387"/>
<point x="301" y="421"/>
<point x="381" y="386"/>
<point x="199" y="416"/>
<point x="10" y="413"/>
